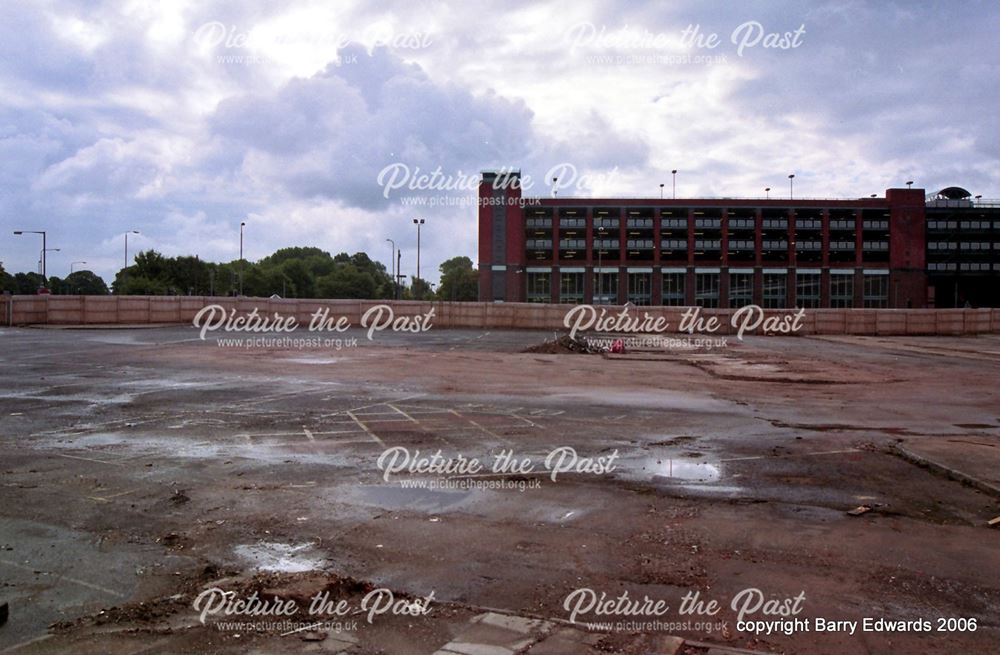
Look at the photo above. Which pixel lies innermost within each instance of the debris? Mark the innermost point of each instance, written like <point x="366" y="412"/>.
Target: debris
<point x="313" y="635"/>
<point x="994" y="522"/>
<point x="179" y="497"/>
<point x="4" y="611"/>
<point x="564" y="345"/>
<point x="859" y="510"/>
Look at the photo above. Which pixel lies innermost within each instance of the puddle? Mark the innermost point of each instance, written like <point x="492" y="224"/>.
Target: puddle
<point x="312" y="360"/>
<point x="422" y="500"/>
<point x="283" y="558"/>
<point x="684" y="470"/>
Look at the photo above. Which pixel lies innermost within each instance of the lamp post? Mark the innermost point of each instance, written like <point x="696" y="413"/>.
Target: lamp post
<point x="418" y="222"/>
<point x="909" y="184"/>
<point x="767" y="193"/>
<point x="72" y="264"/>
<point x="242" y="225"/>
<point x="674" y="174"/>
<point x="42" y="232"/>
<point x="392" y="265"/>
<point x="790" y="182"/>
<point x="125" y="270"/>
<point x="661" y="190"/>
<point x="42" y="257"/>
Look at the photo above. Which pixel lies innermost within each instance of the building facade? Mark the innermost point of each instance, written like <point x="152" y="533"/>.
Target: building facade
<point x="900" y="250"/>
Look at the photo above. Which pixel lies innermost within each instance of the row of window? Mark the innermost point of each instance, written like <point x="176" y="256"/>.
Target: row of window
<point x="734" y="223"/>
<point x="774" y="289"/>
<point x="739" y="244"/>
<point x="964" y="225"/>
<point x="962" y="245"/>
<point x="963" y="266"/>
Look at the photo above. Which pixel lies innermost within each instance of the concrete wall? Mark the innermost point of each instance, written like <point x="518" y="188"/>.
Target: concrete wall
<point x="123" y="310"/>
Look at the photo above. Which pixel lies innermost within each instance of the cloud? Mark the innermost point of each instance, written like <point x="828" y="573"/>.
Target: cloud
<point x="119" y="116"/>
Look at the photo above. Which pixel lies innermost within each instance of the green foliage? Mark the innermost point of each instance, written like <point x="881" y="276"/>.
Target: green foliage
<point x="85" y="283"/>
<point x="290" y="272"/>
<point x="459" y="281"/>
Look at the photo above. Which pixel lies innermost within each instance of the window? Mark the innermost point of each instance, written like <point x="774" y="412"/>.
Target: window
<point x="639" y="223"/>
<point x="538" y="223"/>
<point x="706" y="290"/>
<point x="674" y="223"/>
<point x="567" y="223"/>
<point x="640" y="288"/>
<point x="741" y="223"/>
<point x="606" y="288"/>
<point x="841" y="290"/>
<point x="876" y="290"/>
<point x="740" y="289"/>
<point x="673" y="289"/>
<point x="807" y="288"/>
<point x="538" y="244"/>
<point x="605" y="223"/>
<point x="775" y="224"/>
<point x="674" y="244"/>
<point x="572" y="244"/>
<point x="539" y="287"/>
<point x="571" y="288"/>
<point x="775" y="290"/>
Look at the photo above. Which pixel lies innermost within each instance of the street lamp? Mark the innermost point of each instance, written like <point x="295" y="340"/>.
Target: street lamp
<point x="72" y="264"/>
<point x="909" y="184"/>
<point x="42" y="232"/>
<point x="790" y="187"/>
<point x="242" y="225"/>
<point x="661" y="190"/>
<point x="674" y="194"/>
<point x="767" y="192"/>
<point x="418" y="222"/>
<point x="555" y="190"/>
<point x="392" y="265"/>
<point x="41" y="256"/>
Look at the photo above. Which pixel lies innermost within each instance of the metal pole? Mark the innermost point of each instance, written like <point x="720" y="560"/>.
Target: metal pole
<point x="392" y="265"/>
<point x="44" y="248"/>
<point x="242" y="225"/>
<point x="674" y="173"/>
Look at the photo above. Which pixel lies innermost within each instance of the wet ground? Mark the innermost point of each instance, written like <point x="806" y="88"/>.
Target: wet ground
<point x="143" y="466"/>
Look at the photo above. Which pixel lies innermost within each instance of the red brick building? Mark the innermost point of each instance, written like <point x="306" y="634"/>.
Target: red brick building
<point x="869" y="252"/>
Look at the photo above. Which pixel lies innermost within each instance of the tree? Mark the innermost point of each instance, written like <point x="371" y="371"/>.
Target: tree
<point x="420" y="289"/>
<point x="28" y="283"/>
<point x="7" y="282"/>
<point x="459" y="281"/>
<point x="346" y="281"/>
<point x="83" y="283"/>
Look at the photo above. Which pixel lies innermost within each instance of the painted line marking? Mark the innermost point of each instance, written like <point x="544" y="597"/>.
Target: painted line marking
<point x="366" y="429"/>
<point x="825" y="452"/>
<point x="82" y="583"/>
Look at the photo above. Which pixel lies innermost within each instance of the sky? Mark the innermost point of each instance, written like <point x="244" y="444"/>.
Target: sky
<point x="335" y="123"/>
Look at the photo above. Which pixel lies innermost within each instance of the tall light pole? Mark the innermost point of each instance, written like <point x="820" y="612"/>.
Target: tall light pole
<point x="790" y="182"/>
<point x="41" y="256"/>
<point x="242" y="225"/>
<point x="661" y="190"/>
<point x="125" y="270"/>
<point x="392" y="265"/>
<point x="42" y="232"/>
<point x="909" y="184"/>
<point x="767" y="193"/>
<point x="72" y="264"/>
<point x="674" y="174"/>
<point x="418" y="222"/>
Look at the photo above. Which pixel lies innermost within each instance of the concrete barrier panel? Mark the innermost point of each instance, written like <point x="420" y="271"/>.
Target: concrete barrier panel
<point x="890" y="322"/>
